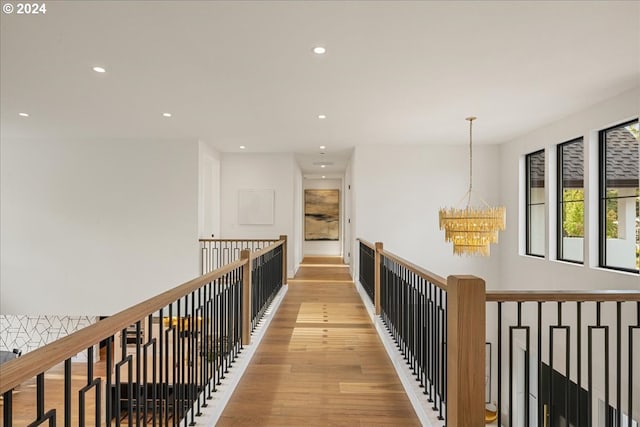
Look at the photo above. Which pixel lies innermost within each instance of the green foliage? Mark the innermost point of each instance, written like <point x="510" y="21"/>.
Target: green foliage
<point x="612" y="214"/>
<point x="573" y="213"/>
<point x="634" y="130"/>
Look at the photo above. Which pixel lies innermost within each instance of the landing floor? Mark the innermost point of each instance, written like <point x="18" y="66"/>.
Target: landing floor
<point x="321" y="362"/>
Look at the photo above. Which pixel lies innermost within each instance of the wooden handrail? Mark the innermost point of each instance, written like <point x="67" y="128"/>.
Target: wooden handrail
<point x="263" y="251"/>
<point x="237" y="240"/>
<point x="439" y="281"/>
<point x="16" y="371"/>
<point x="366" y="243"/>
<point x="579" y="296"/>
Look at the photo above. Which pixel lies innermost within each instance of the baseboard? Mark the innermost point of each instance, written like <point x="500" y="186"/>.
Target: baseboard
<point x="421" y="406"/>
<point x="221" y="397"/>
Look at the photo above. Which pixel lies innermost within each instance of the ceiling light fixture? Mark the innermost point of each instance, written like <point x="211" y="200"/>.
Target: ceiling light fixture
<point x="319" y="50"/>
<point x="242" y="147"/>
<point x="23" y="114"/>
<point x="166" y="114"/>
<point x="472" y="229"/>
<point x="323" y="177"/>
<point x="99" y="70"/>
<point x="322" y="147"/>
<point x="323" y="166"/>
<point x="322" y="116"/>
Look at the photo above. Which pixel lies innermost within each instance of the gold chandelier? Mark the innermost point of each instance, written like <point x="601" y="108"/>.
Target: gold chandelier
<point x="472" y="229"/>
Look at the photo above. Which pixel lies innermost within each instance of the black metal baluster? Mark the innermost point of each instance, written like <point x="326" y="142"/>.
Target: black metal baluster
<point x="619" y="413"/>
<point x="631" y="362"/>
<point x="109" y="386"/>
<point x="606" y="375"/>
<point x="167" y="386"/>
<point x="444" y="351"/>
<point x="91" y="383"/>
<point x="541" y="404"/>
<point x="437" y="352"/>
<point x="40" y="397"/>
<point x="423" y="331"/>
<point x="138" y="378"/>
<point x="161" y="364"/>
<point x="193" y="335"/>
<point x="511" y="391"/>
<point x="579" y="359"/>
<point x="178" y="365"/>
<point x="208" y="340"/>
<point x="430" y="347"/>
<point x="500" y="361"/>
<point x="217" y="341"/>
<point x="7" y="410"/>
<point x="67" y="393"/>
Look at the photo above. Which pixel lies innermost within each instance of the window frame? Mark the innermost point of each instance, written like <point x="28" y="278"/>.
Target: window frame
<point x="602" y="200"/>
<point x="560" y="200"/>
<point x="528" y="203"/>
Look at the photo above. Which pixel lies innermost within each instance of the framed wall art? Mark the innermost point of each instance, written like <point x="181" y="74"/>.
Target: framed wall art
<point x="321" y="215"/>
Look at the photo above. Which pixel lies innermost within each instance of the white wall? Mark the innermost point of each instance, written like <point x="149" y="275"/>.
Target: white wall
<point x="90" y="227"/>
<point x="297" y="239"/>
<point x="349" y="217"/>
<point x="518" y="271"/>
<point x="398" y="190"/>
<point x="326" y="248"/>
<point x="246" y="171"/>
<point x="208" y="191"/>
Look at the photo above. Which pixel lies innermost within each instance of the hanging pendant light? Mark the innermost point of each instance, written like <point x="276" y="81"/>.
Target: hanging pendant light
<point x="472" y="229"/>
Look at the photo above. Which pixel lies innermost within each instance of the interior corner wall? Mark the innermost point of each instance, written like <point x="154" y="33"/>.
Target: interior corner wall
<point x="298" y="209"/>
<point x="267" y="171"/>
<point x="208" y="191"/>
<point x="90" y="227"/>
<point x="325" y="248"/>
<point x="519" y="271"/>
<point x="348" y="253"/>
<point x="398" y="190"/>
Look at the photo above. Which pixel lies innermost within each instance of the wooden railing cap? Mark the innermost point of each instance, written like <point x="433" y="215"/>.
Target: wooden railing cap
<point x="563" y="296"/>
<point x="437" y="280"/>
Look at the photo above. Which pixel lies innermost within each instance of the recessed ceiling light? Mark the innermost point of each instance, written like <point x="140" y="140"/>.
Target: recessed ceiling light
<point x="99" y="70"/>
<point x="319" y="50"/>
<point x="166" y="114"/>
<point x="23" y="114"/>
<point x="323" y="177"/>
<point x="323" y="166"/>
<point x="322" y="147"/>
<point x="242" y="147"/>
<point x="322" y="116"/>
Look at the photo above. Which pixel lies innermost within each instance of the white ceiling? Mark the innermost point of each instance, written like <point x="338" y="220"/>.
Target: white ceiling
<point x="243" y="73"/>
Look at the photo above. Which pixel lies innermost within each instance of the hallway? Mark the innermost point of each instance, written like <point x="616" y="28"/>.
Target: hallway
<point x="321" y="362"/>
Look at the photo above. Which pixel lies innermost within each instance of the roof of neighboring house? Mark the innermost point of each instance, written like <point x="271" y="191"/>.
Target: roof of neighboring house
<point x="623" y="162"/>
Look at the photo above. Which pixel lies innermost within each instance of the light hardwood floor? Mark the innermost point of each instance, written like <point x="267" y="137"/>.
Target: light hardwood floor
<point x="321" y="362"/>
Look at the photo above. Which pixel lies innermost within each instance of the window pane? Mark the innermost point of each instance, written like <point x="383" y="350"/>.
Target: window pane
<point x="536" y="230"/>
<point x="536" y="177"/>
<point x="620" y="221"/>
<point x="572" y="231"/>
<point x="571" y="201"/>
<point x="535" y="204"/>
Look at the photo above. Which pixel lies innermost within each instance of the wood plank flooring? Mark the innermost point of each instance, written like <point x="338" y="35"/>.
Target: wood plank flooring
<point x="321" y="362"/>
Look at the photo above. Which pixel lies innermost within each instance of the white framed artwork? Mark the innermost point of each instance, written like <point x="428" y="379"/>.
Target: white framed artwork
<point x="256" y="207"/>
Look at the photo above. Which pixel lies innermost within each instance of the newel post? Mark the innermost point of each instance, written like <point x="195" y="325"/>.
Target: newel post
<point x="284" y="258"/>
<point x="245" y="255"/>
<point x="465" y="351"/>
<point x="377" y="264"/>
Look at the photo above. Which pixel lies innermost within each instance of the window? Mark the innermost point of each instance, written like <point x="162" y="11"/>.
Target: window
<point x="535" y="204"/>
<point x="571" y="201"/>
<point x="619" y="216"/>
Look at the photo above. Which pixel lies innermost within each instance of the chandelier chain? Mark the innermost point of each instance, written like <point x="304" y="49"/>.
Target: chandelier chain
<point x="470" y="119"/>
